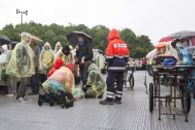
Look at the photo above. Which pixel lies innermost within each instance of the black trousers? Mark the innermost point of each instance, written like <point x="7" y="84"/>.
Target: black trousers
<point x="112" y="91"/>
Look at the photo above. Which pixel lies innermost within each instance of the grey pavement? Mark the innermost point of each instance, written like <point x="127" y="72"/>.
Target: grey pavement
<point x="87" y="114"/>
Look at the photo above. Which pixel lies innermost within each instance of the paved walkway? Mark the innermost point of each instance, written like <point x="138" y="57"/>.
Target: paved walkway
<point x="87" y="114"/>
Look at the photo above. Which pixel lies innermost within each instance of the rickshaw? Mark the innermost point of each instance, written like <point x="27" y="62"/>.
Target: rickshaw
<point x="175" y="78"/>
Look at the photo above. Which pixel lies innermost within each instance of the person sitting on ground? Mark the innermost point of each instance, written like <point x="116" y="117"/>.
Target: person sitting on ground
<point x="94" y="86"/>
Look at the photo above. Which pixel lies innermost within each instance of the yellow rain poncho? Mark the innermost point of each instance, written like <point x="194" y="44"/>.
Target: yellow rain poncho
<point x="21" y="62"/>
<point x="46" y="59"/>
<point x="96" y="81"/>
<point x="68" y="59"/>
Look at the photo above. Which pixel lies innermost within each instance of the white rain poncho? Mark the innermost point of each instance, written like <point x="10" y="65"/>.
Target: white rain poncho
<point x="21" y="62"/>
<point x="4" y="58"/>
<point x="99" y="59"/>
<point x="46" y="59"/>
<point x="58" y="46"/>
<point x="150" y="56"/>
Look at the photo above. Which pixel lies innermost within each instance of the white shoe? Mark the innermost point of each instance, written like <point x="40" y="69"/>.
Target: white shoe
<point x="21" y="100"/>
<point x="10" y="95"/>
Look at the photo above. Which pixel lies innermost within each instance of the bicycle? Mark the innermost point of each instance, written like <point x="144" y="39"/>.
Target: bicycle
<point x="129" y="80"/>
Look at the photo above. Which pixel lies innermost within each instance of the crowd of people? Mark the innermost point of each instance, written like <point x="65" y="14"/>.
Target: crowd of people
<point x="60" y="70"/>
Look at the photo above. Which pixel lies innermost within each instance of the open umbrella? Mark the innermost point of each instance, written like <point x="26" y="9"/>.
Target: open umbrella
<point x="183" y="34"/>
<point x="73" y="37"/>
<point x="166" y="39"/>
<point x="4" y="40"/>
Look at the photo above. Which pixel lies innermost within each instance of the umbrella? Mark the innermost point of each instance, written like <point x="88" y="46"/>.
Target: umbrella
<point x="183" y="34"/>
<point x="73" y="37"/>
<point x="166" y="39"/>
<point x="4" y="40"/>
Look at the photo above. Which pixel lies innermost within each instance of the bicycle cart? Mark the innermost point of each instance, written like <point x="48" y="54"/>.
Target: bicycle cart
<point x="175" y="78"/>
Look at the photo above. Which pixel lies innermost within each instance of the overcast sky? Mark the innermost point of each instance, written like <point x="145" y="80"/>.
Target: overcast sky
<point x="155" y="18"/>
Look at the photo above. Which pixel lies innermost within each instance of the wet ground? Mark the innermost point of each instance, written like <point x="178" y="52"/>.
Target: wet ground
<point x="87" y="114"/>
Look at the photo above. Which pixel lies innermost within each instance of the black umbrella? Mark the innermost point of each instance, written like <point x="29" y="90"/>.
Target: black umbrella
<point x="73" y="37"/>
<point x="4" y="40"/>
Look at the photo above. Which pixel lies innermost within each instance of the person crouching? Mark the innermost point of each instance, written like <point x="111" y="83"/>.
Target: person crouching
<point x="58" y="87"/>
<point x="94" y="86"/>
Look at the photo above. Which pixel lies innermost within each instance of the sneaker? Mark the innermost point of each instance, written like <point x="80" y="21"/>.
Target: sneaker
<point x="117" y="101"/>
<point x="10" y="95"/>
<point x="106" y="102"/>
<point x="21" y="100"/>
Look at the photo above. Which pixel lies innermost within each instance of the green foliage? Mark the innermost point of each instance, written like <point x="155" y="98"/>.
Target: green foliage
<point x="139" y="45"/>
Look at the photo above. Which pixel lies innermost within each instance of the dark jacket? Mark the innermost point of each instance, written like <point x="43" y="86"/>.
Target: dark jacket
<point x="85" y="50"/>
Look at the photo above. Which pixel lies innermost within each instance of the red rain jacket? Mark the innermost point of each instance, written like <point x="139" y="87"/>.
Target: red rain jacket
<point x="117" y="51"/>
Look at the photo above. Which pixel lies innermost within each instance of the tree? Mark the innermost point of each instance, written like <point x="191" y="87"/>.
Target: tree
<point x="139" y="45"/>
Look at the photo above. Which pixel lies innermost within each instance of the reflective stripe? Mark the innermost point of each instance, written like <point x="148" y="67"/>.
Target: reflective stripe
<point x="109" y="92"/>
<point x="119" y="92"/>
<point x="110" y="96"/>
<point x="120" y="45"/>
<point x="109" y="57"/>
<point x="118" y="56"/>
<point x="116" y="68"/>
<point x="119" y="96"/>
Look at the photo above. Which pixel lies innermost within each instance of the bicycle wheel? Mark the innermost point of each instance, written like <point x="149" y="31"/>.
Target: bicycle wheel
<point x="131" y="81"/>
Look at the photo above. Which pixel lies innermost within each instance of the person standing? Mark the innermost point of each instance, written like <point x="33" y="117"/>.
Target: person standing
<point x="117" y="54"/>
<point x="84" y="53"/>
<point x="34" y="80"/>
<point x="58" y="47"/>
<point x="46" y="61"/>
<point x="21" y="64"/>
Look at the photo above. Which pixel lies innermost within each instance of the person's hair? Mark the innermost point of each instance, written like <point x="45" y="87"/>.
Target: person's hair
<point x="66" y="48"/>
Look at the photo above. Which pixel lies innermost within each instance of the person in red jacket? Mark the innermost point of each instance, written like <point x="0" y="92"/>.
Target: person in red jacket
<point x="117" y="54"/>
<point x="58" y="63"/>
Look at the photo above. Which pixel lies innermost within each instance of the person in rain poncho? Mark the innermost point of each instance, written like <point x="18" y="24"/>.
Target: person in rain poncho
<point x="58" y="46"/>
<point x="21" y="63"/>
<point x="34" y="80"/>
<point x="99" y="59"/>
<point x="95" y="85"/>
<point x="3" y="63"/>
<point x="12" y="80"/>
<point x="170" y="50"/>
<point x="46" y="61"/>
<point x="60" y="78"/>
<point x="66" y="55"/>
